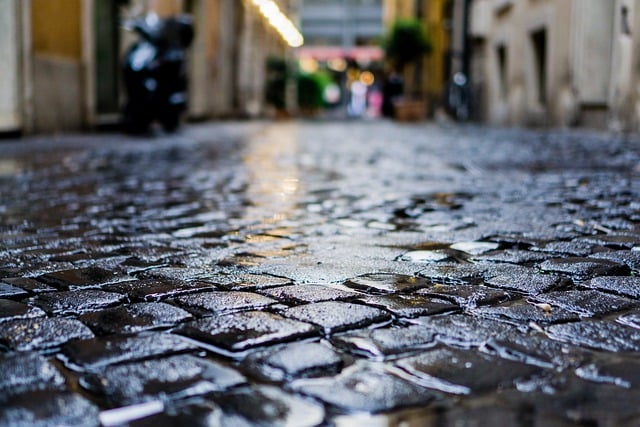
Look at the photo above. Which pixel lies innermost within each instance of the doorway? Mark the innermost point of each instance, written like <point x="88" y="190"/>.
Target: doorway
<point x="107" y="57"/>
<point x="539" y="43"/>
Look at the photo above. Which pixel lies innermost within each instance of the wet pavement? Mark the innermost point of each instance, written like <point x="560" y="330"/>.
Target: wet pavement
<point x="319" y="273"/>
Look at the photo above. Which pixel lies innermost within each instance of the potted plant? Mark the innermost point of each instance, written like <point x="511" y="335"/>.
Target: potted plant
<point x="275" y="90"/>
<point x="406" y="43"/>
<point x="311" y="87"/>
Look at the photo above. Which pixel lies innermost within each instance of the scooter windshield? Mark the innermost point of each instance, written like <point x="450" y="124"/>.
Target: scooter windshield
<point x="141" y="56"/>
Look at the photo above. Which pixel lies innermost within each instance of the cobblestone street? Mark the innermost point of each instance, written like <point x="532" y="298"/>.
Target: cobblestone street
<point x="321" y="273"/>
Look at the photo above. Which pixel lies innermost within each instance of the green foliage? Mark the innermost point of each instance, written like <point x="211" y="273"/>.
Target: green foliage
<point x="277" y="75"/>
<point x="406" y="42"/>
<point x="311" y="88"/>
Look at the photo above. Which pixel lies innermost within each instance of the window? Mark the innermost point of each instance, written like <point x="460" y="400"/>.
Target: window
<point x="501" y="53"/>
<point x="539" y="43"/>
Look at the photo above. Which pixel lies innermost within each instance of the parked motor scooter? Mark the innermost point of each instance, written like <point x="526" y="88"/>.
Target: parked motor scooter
<point x="458" y="97"/>
<point x="155" y="72"/>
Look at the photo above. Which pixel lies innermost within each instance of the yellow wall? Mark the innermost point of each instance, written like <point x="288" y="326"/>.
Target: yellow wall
<point x="56" y="27"/>
<point x="166" y="7"/>
<point x="396" y="9"/>
<point x="434" y="63"/>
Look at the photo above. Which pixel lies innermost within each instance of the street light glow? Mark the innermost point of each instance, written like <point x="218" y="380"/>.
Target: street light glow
<point x="280" y="22"/>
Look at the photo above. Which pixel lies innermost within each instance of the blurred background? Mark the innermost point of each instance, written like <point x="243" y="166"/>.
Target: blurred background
<point x="505" y="62"/>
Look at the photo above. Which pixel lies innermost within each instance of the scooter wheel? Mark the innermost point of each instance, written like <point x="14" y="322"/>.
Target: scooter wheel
<point x="170" y="122"/>
<point x="133" y="122"/>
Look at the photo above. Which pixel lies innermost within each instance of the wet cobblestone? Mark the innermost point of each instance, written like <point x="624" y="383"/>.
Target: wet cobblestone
<point x="172" y="378"/>
<point x="297" y="360"/>
<point x="241" y="331"/>
<point x="90" y="354"/>
<point x="26" y="371"/>
<point x="339" y="274"/>
<point x="133" y="318"/>
<point x="41" y="333"/>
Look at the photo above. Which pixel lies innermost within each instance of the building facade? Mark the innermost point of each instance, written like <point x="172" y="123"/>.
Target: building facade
<point x="67" y="77"/>
<point x="343" y="23"/>
<point x="557" y="62"/>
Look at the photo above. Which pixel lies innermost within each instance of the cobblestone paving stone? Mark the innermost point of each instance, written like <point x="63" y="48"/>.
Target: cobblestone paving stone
<point x="90" y="354"/>
<point x="318" y="273"/>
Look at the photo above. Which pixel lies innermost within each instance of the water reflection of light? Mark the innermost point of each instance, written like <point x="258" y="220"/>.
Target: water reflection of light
<point x="274" y="182"/>
<point x="9" y="167"/>
<point x="290" y="186"/>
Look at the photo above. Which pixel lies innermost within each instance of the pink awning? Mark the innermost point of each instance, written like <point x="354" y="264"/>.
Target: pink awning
<point x="326" y="53"/>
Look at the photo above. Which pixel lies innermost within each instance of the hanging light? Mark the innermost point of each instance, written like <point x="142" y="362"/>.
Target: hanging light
<point x="280" y="22"/>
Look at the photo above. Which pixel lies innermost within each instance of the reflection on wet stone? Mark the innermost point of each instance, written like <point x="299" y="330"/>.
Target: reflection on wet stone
<point x="297" y="360"/>
<point x="333" y="316"/>
<point x="132" y="318"/>
<point x="512" y="256"/>
<point x="155" y="290"/>
<point x="76" y="302"/>
<point x="365" y="387"/>
<point x="575" y="399"/>
<point x="268" y="406"/>
<point x="91" y="354"/>
<point x="526" y="283"/>
<point x="461" y="330"/>
<point x="586" y="303"/>
<point x="572" y="248"/>
<point x="631" y="318"/>
<point x="12" y="310"/>
<point x="212" y="303"/>
<point x="241" y="331"/>
<point x="9" y="291"/>
<point x="29" y="285"/>
<point x="426" y="256"/>
<point x="628" y="286"/>
<point x="383" y="342"/>
<point x="600" y="335"/>
<point x="188" y="413"/>
<point x="24" y="371"/>
<point x="535" y="349"/>
<point x="41" y="333"/>
<point x="386" y="283"/>
<point x="49" y="409"/>
<point x="475" y="248"/>
<point x="582" y="268"/>
<point x="521" y="313"/>
<point x="464" y="372"/>
<point x="82" y="278"/>
<point x="621" y="372"/>
<point x="621" y="241"/>
<point x="175" y="377"/>
<point x="630" y="258"/>
<point x="248" y="282"/>
<point x="467" y="296"/>
<point x="301" y="294"/>
<point x="410" y="306"/>
<point x="454" y="274"/>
